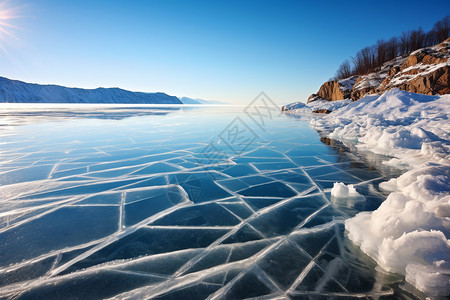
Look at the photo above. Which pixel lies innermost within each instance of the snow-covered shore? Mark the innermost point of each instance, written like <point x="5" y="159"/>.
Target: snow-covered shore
<point x="409" y="233"/>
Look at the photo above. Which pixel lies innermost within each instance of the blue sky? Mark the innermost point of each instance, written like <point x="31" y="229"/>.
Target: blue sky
<point x="221" y="50"/>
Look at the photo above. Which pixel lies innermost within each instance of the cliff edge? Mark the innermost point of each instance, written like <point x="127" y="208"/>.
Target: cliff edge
<point x="424" y="71"/>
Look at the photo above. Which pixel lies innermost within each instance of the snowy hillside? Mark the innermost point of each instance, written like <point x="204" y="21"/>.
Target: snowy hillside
<point x="409" y="233"/>
<point x="15" y="91"/>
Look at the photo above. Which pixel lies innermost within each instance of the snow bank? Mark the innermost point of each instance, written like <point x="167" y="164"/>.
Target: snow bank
<point x="409" y="233"/>
<point x="295" y="105"/>
<point x="329" y="105"/>
<point x="302" y="108"/>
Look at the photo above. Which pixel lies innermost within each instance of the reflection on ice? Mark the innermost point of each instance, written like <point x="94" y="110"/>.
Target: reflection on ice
<point x="126" y="207"/>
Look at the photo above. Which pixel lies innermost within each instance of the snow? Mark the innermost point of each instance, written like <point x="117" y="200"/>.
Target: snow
<point x="409" y="233"/>
<point x="372" y="80"/>
<point x="301" y="108"/>
<point x="341" y="190"/>
<point x="295" y="105"/>
<point x="22" y="92"/>
<point x="347" y="83"/>
<point x="329" y="105"/>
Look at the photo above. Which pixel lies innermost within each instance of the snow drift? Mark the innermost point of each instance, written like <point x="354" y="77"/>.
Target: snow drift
<point x="300" y="107"/>
<point x="409" y="233"/>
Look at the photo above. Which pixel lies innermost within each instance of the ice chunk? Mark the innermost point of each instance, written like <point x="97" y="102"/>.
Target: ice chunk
<point x="341" y="190"/>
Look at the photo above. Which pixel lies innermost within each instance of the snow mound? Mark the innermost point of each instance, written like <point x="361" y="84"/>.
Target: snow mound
<point x="321" y="104"/>
<point x="328" y="105"/>
<point x="295" y="105"/>
<point x="340" y="190"/>
<point x="409" y="233"/>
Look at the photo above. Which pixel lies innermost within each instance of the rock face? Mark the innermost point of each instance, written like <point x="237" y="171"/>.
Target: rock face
<point x="330" y="90"/>
<point x="436" y="82"/>
<point x="424" y="71"/>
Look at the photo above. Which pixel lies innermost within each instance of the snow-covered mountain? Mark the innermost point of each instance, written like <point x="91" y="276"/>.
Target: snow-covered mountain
<point x="187" y="100"/>
<point x="21" y="92"/>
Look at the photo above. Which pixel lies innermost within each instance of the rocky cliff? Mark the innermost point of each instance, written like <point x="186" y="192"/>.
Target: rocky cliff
<point x="424" y="71"/>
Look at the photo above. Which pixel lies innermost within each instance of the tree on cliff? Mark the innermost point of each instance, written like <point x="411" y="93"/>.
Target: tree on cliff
<point x="441" y="28"/>
<point x="344" y="70"/>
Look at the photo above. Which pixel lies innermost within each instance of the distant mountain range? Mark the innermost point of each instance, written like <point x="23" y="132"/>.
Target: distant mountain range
<point x="187" y="100"/>
<point x="15" y="91"/>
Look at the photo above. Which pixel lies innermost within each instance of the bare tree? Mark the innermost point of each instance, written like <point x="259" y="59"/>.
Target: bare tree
<point x="370" y="58"/>
<point x="431" y="38"/>
<point x="363" y="61"/>
<point x="391" y="49"/>
<point x="344" y="70"/>
<point x="404" y="43"/>
<point x="381" y="52"/>
<point x="416" y="39"/>
<point x="442" y="29"/>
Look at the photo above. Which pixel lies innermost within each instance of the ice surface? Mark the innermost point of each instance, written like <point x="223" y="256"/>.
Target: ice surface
<point x="139" y="207"/>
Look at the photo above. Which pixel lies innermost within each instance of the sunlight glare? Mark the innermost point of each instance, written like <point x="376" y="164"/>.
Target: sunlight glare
<point x="7" y="27"/>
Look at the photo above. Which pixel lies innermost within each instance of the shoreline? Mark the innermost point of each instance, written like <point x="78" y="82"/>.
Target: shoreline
<point x="408" y="234"/>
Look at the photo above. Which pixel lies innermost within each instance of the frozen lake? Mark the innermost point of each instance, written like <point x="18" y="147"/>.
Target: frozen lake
<point x="179" y="203"/>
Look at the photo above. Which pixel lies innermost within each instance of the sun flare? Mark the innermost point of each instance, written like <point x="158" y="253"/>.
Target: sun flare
<point x="8" y="14"/>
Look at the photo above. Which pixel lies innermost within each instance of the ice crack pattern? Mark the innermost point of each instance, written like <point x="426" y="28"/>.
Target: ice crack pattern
<point x="125" y="207"/>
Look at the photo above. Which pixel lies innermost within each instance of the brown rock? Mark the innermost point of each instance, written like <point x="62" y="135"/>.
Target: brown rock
<point x="330" y="91"/>
<point x="394" y="70"/>
<point x="412" y="60"/>
<point x="436" y="82"/>
<point x="431" y="60"/>
<point x="421" y="77"/>
<point x="312" y="98"/>
<point x="322" y="111"/>
<point x="442" y="85"/>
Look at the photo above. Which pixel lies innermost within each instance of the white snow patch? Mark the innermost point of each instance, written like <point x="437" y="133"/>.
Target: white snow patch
<point x="295" y="105"/>
<point x="329" y="105"/>
<point x="372" y="80"/>
<point x="347" y="83"/>
<point x="341" y="190"/>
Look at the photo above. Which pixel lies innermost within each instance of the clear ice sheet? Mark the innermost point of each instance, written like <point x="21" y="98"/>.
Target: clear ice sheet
<point x="121" y="204"/>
